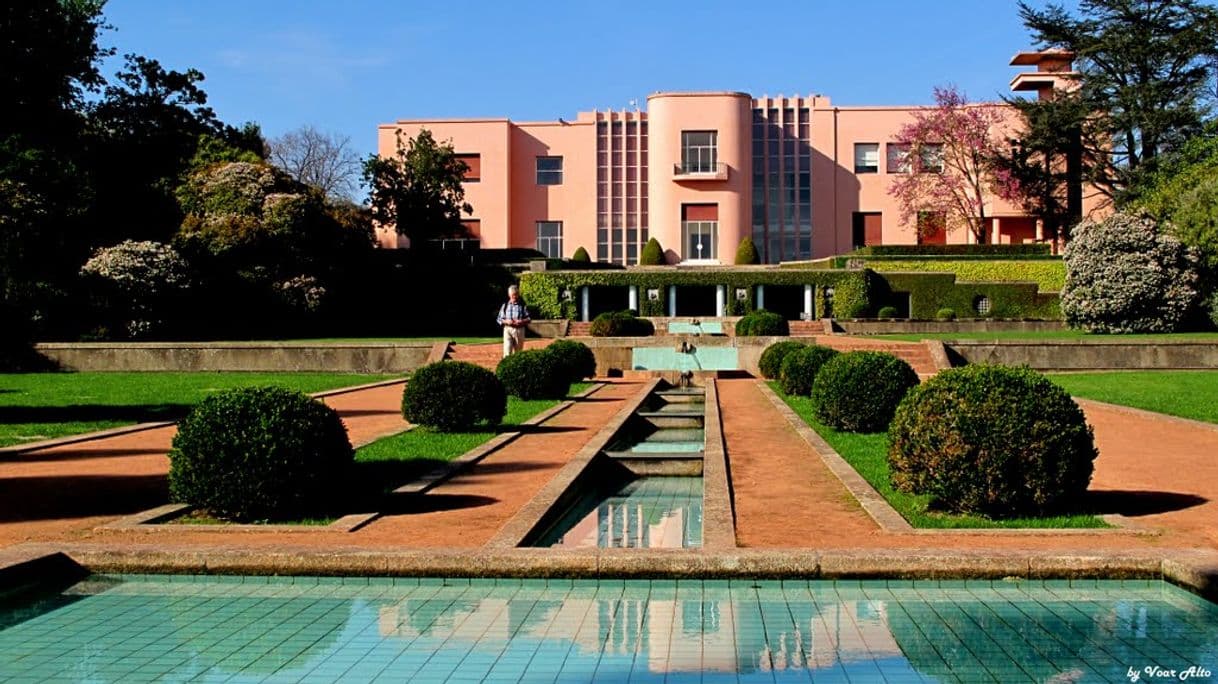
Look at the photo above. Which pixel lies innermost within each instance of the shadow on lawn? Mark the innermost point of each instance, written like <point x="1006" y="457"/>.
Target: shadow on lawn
<point x="1134" y="503"/>
<point x="139" y="413"/>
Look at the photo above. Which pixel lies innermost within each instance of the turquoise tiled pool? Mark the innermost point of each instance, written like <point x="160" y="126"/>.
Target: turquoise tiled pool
<point x="648" y="512"/>
<point x="701" y="358"/>
<point x="135" y="628"/>
<point x="690" y="328"/>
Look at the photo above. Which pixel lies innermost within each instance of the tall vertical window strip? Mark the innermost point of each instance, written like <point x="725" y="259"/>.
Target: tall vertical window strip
<point x="549" y="238"/>
<point x="782" y="181"/>
<point x="549" y="170"/>
<point x="699" y="152"/>
<point x="621" y="187"/>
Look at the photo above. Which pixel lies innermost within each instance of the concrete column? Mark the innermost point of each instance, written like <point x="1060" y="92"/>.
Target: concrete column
<point x="720" y="300"/>
<point x="672" y="301"/>
<point x="808" y="308"/>
<point x="995" y="231"/>
<point x="761" y="296"/>
<point x="633" y="297"/>
<point x="1040" y="229"/>
<point x="583" y="304"/>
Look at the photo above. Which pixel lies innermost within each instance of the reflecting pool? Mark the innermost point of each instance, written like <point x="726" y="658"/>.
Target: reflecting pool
<point x="647" y="512"/>
<point x="142" y="628"/>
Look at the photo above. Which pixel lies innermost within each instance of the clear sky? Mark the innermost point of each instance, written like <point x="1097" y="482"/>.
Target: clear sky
<point x="346" y="66"/>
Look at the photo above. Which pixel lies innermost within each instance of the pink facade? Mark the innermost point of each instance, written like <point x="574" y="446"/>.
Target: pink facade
<point x="699" y="171"/>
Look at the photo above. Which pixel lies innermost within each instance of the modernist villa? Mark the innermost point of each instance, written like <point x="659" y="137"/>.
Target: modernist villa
<point x="699" y="171"/>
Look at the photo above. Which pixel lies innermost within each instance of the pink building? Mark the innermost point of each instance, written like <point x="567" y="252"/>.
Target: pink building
<point x="699" y="171"/>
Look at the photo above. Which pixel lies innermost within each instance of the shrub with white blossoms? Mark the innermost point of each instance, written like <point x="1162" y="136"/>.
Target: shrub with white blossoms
<point x="1124" y="275"/>
<point x="304" y="292"/>
<point x="141" y="277"/>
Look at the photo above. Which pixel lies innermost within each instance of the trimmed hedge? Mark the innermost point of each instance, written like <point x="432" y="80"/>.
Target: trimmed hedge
<point x="853" y="291"/>
<point x="575" y="358"/>
<point x="621" y="324"/>
<point x="887" y="312"/>
<point x="799" y="369"/>
<point x="259" y="453"/>
<point x="992" y="440"/>
<point x="859" y="391"/>
<point x="762" y="323"/>
<point x="929" y="292"/>
<point x="946" y="314"/>
<point x="534" y="374"/>
<point x="652" y="254"/>
<point x="581" y="255"/>
<point x="746" y="253"/>
<point x="770" y="363"/>
<point x="1000" y="251"/>
<point x="453" y="395"/>
<point x="1049" y="274"/>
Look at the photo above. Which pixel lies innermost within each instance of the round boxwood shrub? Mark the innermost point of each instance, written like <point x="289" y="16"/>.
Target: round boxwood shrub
<point x="946" y="314"/>
<point x="575" y="358"/>
<point x="770" y="363"/>
<point x="453" y="395"/>
<point x="259" y="453"/>
<point x="762" y="323"/>
<point x="859" y="391"/>
<point x="534" y="374"/>
<point x="621" y="324"/>
<point x="992" y="440"/>
<point x="887" y="312"/>
<point x="799" y="369"/>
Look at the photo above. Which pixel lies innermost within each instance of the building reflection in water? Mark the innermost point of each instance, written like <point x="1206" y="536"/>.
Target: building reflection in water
<point x="650" y="512"/>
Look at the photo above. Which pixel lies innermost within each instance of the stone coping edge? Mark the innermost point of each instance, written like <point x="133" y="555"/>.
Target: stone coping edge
<point x="153" y="520"/>
<point x="718" y="510"/>
<point x="1195" y="570"/>
<point x="519" y="527"/>
<point x="440" y="474"/>
<point x="140" y="427"/>
<point x="253" y="344"/>
<point x="1143" y="413"/>
<point x="893" y="522"/>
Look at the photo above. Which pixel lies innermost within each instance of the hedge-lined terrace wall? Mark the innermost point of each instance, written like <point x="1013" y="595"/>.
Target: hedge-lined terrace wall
<point x="930" y="292"/>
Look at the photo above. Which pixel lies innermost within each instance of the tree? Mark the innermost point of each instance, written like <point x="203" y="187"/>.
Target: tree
<point x="418" y="190"/>
<point x="951" y="148"/>
<point x="1144" y="75"/>
<point x="746" y="253"/>
<point x="322" y="160"/>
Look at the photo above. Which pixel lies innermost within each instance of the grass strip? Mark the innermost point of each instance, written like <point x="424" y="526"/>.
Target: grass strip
<point x="1052" y="335"/>
<point x="38" y="406"/>
<point x="868" y="454"/>
<point x="1187" y="394"/>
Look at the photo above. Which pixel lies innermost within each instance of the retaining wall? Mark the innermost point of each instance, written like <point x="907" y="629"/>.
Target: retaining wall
<point x="238" y="356"/>
<point x="860" y="326"/>
<point x="1088" y="354"/>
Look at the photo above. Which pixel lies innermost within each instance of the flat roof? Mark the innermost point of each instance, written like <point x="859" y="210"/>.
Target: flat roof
<point x="1034" y="57"/>
<point x="699" y="93"/>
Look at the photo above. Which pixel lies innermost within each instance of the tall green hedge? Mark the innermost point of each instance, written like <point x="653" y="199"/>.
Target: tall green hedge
<point x="853" y="291"/>
<point x="930" y="292"/>
<point x="1026" y="249"/>
<point x="1048" y="274"/>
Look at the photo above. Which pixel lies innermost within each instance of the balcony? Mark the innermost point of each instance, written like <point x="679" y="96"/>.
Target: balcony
<point x="700" y="171"/>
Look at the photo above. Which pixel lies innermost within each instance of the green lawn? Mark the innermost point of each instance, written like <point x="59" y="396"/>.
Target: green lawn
<point x="1188" y="394"/>
<point x="37" y="406"/>
<point x="395" y="460"/>
<point x="868" y="454"/>
<point x="359" y="340"/>
<point x="1051" y="335"/>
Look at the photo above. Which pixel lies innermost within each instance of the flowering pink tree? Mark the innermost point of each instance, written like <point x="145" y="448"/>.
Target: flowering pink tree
<point x="948" y="172"/>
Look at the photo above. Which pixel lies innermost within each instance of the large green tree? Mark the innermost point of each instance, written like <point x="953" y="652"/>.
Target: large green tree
<point x="1145" y="77"/>
<point x="418" y="189"/>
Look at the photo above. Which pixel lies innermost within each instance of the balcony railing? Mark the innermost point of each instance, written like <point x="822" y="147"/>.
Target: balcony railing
<point x="700" y="171"/>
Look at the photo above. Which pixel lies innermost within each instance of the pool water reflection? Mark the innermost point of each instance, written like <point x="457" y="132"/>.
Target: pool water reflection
<point x="137" y="628"/>
<point x="648" y="512"/>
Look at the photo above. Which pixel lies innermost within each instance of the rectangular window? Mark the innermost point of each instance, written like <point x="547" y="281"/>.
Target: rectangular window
<point x="549" y="170"/>
<point x="699" y="152"/>
<point x="930" y="158"/>
<point x="473" y="166"/>
<point x="549" y="238"/>
<point x="898" y="157"/>
<point x="699" y="231"/>
<point x="866" y="157"/>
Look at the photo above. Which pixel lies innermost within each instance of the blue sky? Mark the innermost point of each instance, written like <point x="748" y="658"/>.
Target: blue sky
<point x="347" y="66"/>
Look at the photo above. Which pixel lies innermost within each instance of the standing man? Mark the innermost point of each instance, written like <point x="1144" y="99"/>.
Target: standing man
<point x="514" y="317"/>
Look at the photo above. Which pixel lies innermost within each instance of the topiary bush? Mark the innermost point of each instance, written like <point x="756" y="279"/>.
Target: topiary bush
<point x="1125" y="276"/>
<point x="453" y="395"/>
<point x="259" y="453"/>
<point x="859" y="391"/>
<point x="762" y="323"/>
<point x="887" y="312"/>
<point x="746" y="253"/>
<point x="581" y="255"/>
<point x="946" y="314"/>
<point x="652" y="254"/>
<point x="992" y="440"/>
<point x="770" y="363"/>
<point x="798" y="372"/>
<point x="534" y="374"/>
<point x="575" y="358"/>
<point x="621" y="324"/>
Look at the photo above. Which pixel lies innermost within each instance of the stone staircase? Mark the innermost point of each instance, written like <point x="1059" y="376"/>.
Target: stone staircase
<point x="485" y="355"/>
<point x="579" y="329"/>
<point x="916" y="354"/>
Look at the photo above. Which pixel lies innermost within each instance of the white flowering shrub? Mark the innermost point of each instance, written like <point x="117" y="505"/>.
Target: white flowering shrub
<point x="140" y="280"/>
<point x="1123" y="275"/>
<point x="303" y="293"/>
